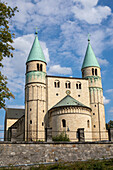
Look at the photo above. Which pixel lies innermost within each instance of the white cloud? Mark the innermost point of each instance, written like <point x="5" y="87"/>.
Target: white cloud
<point x="106" y="101"/>
<point x="16" y="106"/>
<point x="89" y="11"/>
<point x="57" y="69"/>
<point x="14" y="68"/>
<point x="109" y="91"/>
<point x="103" y="62"/>
<point x="111" y="110"/>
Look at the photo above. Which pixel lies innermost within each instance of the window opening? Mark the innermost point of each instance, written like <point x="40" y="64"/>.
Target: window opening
<point x="88" y="123"/>
<point x="30" y="121"/>
<point x="96" y="72"/>
<point x="41" y="66"/>
<point x="37" y="67"/>
<point x="92" y="71"/>
<point x="63" y="122"/>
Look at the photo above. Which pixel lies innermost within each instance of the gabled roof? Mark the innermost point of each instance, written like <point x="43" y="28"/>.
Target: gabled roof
<point x="90" y="59"/>
<point x="36" y="53"/>
<point x="14" y="113"/>
<point x="68" y="101"/>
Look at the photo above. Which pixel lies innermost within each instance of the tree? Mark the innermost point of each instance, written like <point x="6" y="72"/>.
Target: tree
<point x="6" y="39"/>
<point x="109" y="124"/>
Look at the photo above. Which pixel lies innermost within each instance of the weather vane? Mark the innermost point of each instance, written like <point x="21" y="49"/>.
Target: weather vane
<point x="36" y="32"/>
<point x="89" y="37"/>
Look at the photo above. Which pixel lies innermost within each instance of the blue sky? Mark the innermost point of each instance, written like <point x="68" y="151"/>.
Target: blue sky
<point x="63" y="27"/>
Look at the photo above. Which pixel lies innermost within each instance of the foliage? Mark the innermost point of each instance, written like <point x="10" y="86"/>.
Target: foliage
<point x="61" y="137"/>
<point x="109" y="124"/>
<point x="6" y="39"/>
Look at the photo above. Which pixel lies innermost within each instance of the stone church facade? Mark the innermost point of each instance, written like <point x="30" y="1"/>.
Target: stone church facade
<point x="64" y="104"/>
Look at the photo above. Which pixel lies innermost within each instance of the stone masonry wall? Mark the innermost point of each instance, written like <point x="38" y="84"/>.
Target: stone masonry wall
<point x="21" y="153"/>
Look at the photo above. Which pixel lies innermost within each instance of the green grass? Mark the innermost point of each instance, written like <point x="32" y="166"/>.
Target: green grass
<point x="79" y="165"/>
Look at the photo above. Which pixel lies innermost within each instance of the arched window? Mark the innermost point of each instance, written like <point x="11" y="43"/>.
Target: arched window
<point x="68" y="84"/>
<point x="57" y="83"/>
<point x="88" y="123"/>
<point x="37" y="67"/>
<point x="96" y="72"/>
<point x="63" y="122"/>
<point x="41" y="67"/>
<point x="92" y="71"/>
<point x="78" y="85"/>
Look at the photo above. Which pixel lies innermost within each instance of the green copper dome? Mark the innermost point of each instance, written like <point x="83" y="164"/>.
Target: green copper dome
<point x="68" y="101"/>
<point x="90" y="58"/>
<point x="36" y="53"/>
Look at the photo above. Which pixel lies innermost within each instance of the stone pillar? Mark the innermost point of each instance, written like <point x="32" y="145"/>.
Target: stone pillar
<point x="110" y="134"/>
<point x="48" y="134"/>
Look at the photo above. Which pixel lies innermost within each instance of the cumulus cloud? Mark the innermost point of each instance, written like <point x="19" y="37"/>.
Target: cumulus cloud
<point x="16" y="106"/>
<point x="106" y="101"/>
<point x="111" y="110"/>
<point x="89" y="11"/>
<point x="14" y="68"/>
<point x="57" y="69"/>
<point x="109" y="91"/>
<point x="103" y="62"/>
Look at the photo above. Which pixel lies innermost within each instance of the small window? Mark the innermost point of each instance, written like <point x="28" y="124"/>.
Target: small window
<point x="94" y="126"/>
<point x="30" y="121"/>
<point x="96" y="72"/>
<point x="43" y="111"/>
<point x="92" y="71"/>
<point x="78" y="85"/>
<point x="93" y="113"/>
<point x="78" y="95"/>
<point x="30" y="109"/>
<point x="68" y="84"/>
<point x="37" y="67"/>
<point x="56" y="94"/>
<point x="57" y="84"/>
<point x="83" y="73"/>
<point x="41" y="67"/>
<point x="95" y="105"/>
<point x="88" y="123"/>
<point x="42" y="123"/>
<point x="27" y="69"/>
<point x="63" y="122"/>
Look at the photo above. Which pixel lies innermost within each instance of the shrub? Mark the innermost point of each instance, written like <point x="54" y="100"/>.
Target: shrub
<point x="61" y="137"/>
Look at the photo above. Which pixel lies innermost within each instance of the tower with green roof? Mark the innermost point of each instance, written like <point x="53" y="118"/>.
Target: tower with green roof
<point x="91" y="71"/>
<point x="35" y="93"/>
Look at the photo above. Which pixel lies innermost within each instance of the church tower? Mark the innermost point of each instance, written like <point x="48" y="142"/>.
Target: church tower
<point x="35" y="93"/>
<point x="91" y="71"/>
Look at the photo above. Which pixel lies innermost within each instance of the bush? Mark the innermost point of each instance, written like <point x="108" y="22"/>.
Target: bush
<point x="61" y="137"/>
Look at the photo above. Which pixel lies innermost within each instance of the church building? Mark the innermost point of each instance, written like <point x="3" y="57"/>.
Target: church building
<point x="63" y="104"/>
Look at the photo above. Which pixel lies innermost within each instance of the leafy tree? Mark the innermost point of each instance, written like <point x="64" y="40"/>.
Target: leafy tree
<point x="109" y="124"/>
<point x="6" y="39"/>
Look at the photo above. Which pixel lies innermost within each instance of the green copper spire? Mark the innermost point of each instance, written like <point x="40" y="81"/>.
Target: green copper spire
<point x="36" y="53"/>
<point x="90" y="58"/>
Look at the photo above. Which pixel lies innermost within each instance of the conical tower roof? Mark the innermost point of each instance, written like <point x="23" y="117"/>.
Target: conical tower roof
<point x="36" y="53"/>
<point x="68" y="101"/>
<point x="90" y="59"/>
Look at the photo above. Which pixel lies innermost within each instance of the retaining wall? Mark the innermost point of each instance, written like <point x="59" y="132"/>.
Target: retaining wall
<point x="28" y="153"/>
